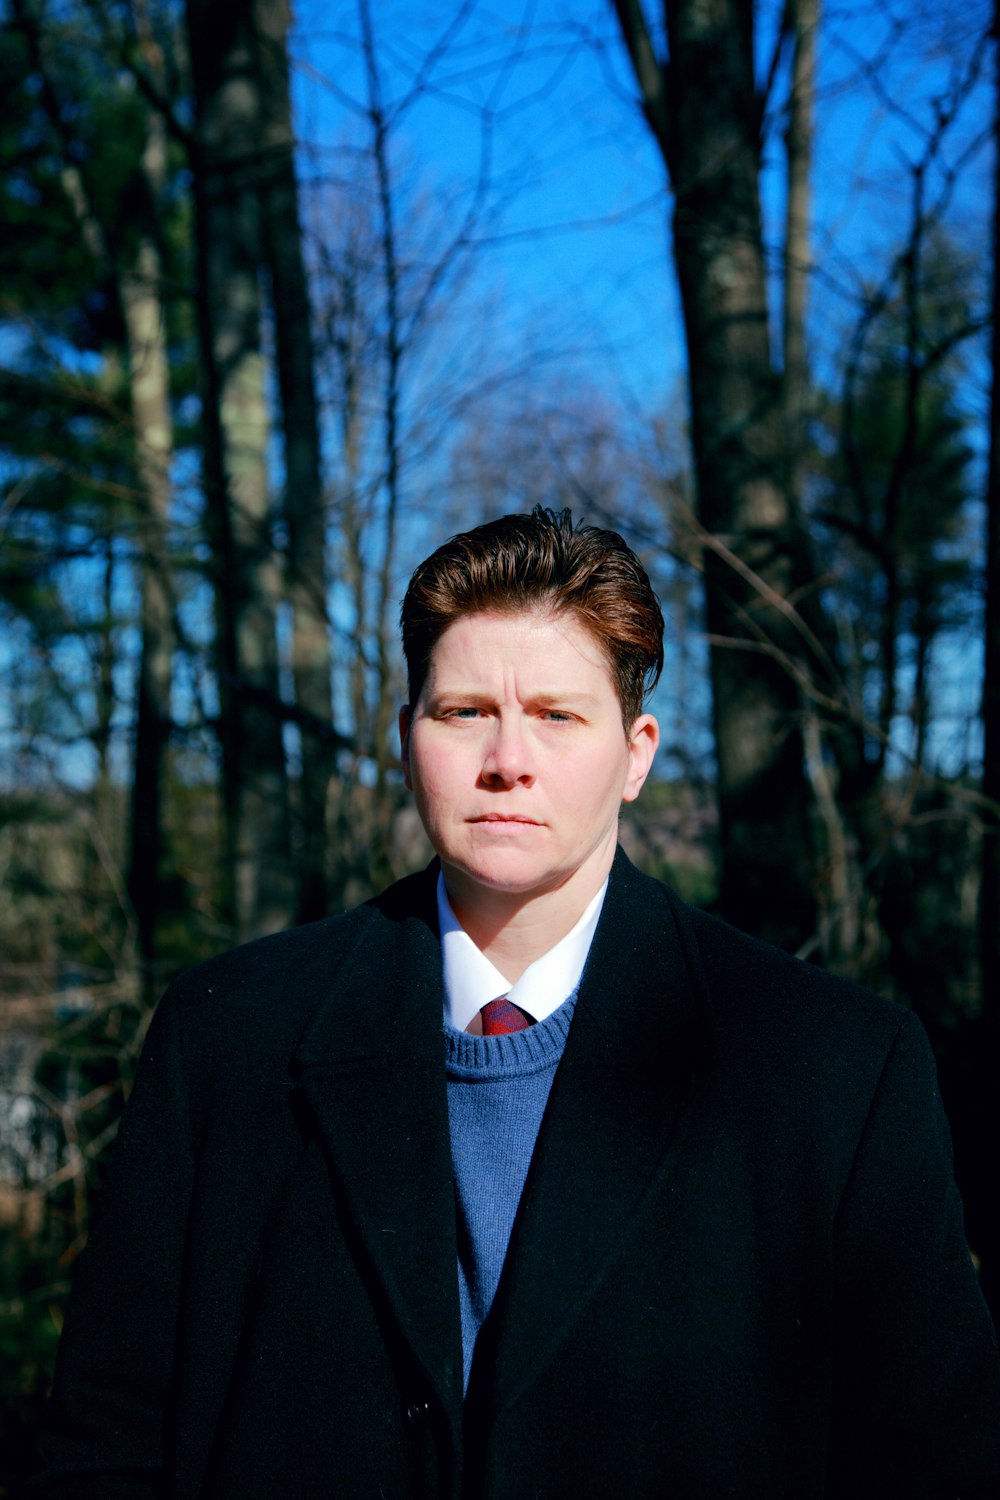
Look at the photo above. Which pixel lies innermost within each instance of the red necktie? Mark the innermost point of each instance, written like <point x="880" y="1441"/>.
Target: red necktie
<point x="500" y="1018"/>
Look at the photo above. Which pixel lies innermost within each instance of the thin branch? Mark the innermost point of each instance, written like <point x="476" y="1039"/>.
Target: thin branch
<point x="781" y="40"/>
<point x="650" y="72"/>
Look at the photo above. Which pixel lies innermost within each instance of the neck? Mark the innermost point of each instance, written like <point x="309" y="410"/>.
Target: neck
<point x="511" y="929"/>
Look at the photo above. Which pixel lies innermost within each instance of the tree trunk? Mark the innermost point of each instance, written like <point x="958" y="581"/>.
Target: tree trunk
<point x="149" y="389"/>
<point x="236" y="431"/>
<point x="803" y="21"/>
<point x="989" y="911"/>
<point x="837" y="788"/>
<point x="989" y="899"/>
<point x="150" y="399"/>
<point x="139" y="293"/>
<point x="385" y="708"/>
<point x="706" y="115"/>
<point x="924" y="631"/>
<point x="307" y="572"/>
<point x="903" y="463"/>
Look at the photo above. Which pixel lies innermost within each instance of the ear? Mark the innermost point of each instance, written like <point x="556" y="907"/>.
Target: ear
<point x="643" y="738"/>
<point x="404" y="744"/>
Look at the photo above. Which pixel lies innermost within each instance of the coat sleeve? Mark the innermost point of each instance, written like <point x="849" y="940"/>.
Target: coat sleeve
<point x="110" y="1407"/>
<point x="916" y="1401"/>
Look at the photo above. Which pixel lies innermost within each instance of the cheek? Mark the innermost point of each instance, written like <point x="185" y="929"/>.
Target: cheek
<point x="434" y="778"/>
<point x="604" y="778"/>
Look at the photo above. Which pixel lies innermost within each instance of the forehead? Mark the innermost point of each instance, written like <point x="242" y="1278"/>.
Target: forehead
<point x="537" y="643"/>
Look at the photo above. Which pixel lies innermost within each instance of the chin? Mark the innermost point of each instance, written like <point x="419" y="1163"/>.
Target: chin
<point x="508" y="874"/>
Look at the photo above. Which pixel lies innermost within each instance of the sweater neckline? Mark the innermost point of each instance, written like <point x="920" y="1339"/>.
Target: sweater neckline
<point x="516" y="1055"/>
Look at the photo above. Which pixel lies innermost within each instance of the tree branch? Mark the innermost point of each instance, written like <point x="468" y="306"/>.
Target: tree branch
<point x="650" y="72"/>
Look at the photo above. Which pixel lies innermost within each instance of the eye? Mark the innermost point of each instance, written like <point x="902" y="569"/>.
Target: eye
<point x="465" y="712"/>
<point x="557" y="716"/>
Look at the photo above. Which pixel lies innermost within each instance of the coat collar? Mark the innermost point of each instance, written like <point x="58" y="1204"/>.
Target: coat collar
<point x="371" y="1065"/>
<point x="384" y="997"/>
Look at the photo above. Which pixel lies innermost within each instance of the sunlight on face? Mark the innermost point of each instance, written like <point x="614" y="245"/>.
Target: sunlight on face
<point x="517" y="758"/>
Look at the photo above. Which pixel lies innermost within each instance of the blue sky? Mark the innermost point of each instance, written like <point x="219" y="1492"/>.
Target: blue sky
<point x="577" y="255"/>
<point x="580" y="240"/>
<point x="574" y="263"/>
<point x="583" y="240"/>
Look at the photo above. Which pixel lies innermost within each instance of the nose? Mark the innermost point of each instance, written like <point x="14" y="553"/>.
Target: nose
<point x="508" y="756"/>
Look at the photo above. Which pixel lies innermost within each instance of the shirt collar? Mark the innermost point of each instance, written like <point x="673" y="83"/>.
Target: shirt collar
<point x="471" y="980"/>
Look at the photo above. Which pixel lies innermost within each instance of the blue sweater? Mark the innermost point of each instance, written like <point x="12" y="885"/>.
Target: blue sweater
<point x="498" y="1087"/>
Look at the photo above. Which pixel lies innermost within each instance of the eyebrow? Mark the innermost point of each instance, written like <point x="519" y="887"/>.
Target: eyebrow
<point x="487" y="700"/>
<point x="549" y="700"/>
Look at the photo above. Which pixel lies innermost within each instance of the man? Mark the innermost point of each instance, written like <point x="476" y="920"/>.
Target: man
<point x="663" y="1213"/>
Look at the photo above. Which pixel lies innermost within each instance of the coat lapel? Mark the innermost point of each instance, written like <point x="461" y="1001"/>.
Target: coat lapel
<point x="639" y="1036"/>
<point x="371" y="1066"/>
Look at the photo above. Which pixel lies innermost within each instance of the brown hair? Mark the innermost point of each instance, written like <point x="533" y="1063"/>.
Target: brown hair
<point x="525" y="562"/>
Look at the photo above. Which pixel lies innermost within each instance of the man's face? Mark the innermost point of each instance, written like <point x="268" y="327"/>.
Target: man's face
<point x="517" y="757"/>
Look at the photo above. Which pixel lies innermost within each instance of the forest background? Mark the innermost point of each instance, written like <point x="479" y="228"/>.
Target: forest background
<point x="285" y="300"/>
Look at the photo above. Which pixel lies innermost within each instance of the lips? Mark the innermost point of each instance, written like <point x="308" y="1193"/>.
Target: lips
<point x="507" y="818"/>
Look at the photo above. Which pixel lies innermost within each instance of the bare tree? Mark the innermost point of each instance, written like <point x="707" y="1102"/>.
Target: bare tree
<point x="384" y="626"/>
<point x="307" y="571"/>
<point x="802" y="22"/>
<point x="391" y="266"/>
<point x="236" y="431"/>
<point x="989" y="895"/>
<point x="145" y="322"/>
<point x="138" y="291"/>
<point x="705" y="113"/>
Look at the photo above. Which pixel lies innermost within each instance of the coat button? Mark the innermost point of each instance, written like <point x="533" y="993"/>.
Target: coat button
<point x="416" y="1413"/>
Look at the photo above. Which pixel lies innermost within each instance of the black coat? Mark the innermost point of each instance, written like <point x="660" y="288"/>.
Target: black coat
<point x="738" y="1269"/>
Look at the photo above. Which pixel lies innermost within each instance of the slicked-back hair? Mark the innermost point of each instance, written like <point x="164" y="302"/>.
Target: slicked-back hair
<point x="541" y="562"/>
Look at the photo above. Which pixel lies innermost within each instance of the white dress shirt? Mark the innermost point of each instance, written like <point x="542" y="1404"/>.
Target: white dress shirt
<point x="471" y="980"/>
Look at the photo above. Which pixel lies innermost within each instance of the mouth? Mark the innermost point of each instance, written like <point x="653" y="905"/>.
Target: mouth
<point x="507" y="819"/>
